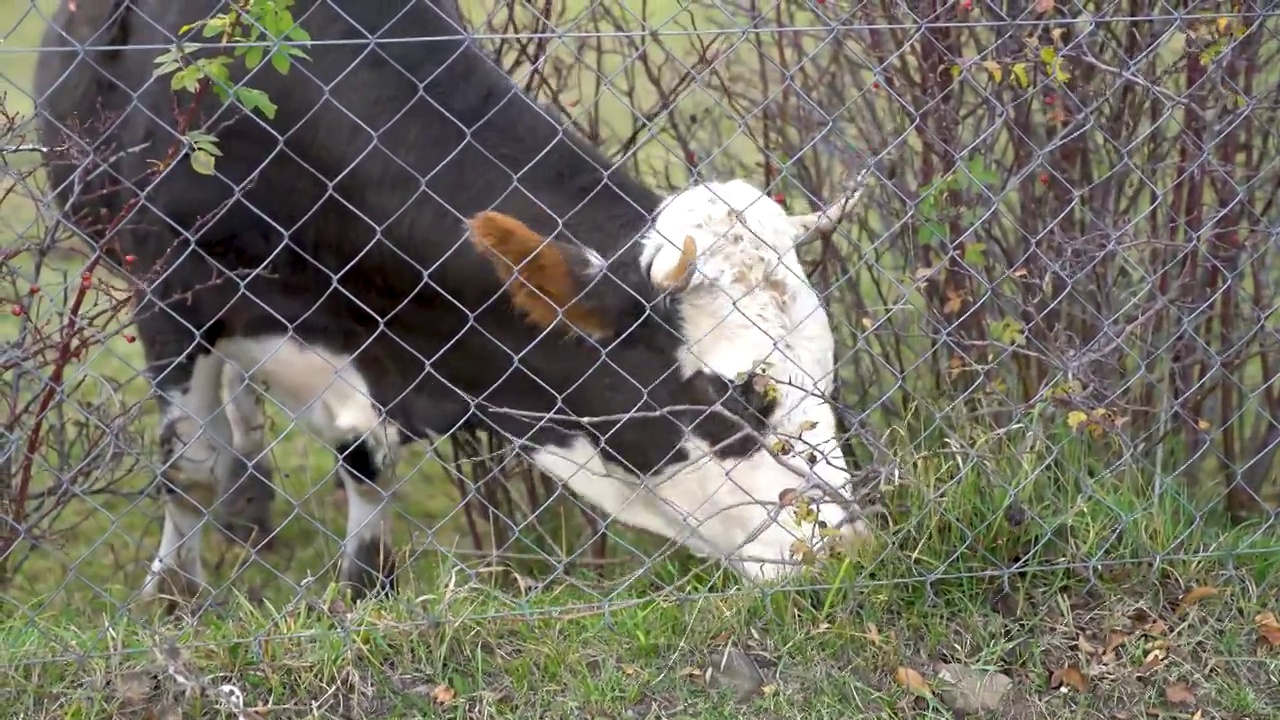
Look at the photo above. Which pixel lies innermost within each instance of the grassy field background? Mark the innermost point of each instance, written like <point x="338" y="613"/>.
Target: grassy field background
<point x="1098" y="591"/>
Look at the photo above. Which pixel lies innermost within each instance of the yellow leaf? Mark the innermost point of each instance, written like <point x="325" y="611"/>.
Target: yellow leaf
<point x="1268" y="628"/>
<point x="1195" y="595"/>
<point x="1048" y="55"/>
<point x="1151" y="662"/>
<point x="1019" y="71"/>
<point x="1223" y="24"/>
<point x="800" y="549"/>
<point x="443" y="694"/>
<point x="867" y="323"/>
<point x="1074" y="418"/>
<point x="993" y="67"/>
<point x="1056" y="33"/>
<point x="1203" y="424"/>
<point x="806" y="426"/>
<point x="912" y="681"/>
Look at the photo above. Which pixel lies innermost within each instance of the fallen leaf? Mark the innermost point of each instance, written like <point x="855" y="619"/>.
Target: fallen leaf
<point x="873" y="634"/>
<point x="1151" y="662"/>
<point x="1268" y="628"/>
<point x="1114" y="640"/>
<point x="1179" y="694"/>
<point x="1156" y="628"/>
<point x="1086" y="648"/>
<point x="443" y="694"/>
<point x="1069" y="677"/>
<point x="969" y="691"/>
<point x="911" y="680"/>
<point x="1195" y="595"/>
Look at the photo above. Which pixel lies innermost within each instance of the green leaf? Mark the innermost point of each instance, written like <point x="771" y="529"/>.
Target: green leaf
<point x="934" y="231"/>
<point x="168" y="67"/>
<point x="253" y="56"/>
<point x="280" y="62"/>
<point x="202" y="162"/>
<point x="981" y="173"/>
<point x="254" y="99"/>
<point x="975" y="254"/>
<point x="186" y="79"/>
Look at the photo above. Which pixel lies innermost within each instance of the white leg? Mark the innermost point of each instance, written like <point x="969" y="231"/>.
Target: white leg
<point x="244" y="512"/>
<point x="326" y="393"/>
<point x="196" y="437"/>
<point x="368" y="564"/>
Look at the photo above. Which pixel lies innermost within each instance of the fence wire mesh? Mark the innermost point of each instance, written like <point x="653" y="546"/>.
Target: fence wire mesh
<point x="1052" y="308"/>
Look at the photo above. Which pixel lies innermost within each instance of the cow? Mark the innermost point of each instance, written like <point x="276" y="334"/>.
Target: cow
<point x="413" y="246"/>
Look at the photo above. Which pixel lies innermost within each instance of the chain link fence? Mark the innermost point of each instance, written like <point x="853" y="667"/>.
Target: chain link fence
<point x="1052" y="308"/>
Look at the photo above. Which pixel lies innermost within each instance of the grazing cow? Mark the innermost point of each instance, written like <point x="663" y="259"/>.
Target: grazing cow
<point x="413" y="246"/>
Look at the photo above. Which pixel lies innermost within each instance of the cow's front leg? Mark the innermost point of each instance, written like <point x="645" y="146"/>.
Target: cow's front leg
<point x="243" y="512"/>
<point x="197" y="458"/>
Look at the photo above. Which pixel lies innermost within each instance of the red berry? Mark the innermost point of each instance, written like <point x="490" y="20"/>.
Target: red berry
<point x="128" y="259"/>
<point x="86" y="283"/>
<point x="875" y="86"/>
<point x="1049" y="100"/>
<point x="129" y="338"/>
<point x="17" y="310"/>
<point x="86" y="276"/>
<point x="780" y="198"/>
<point x="34" y="290"/>
<point x="690" y="157"/>
<point x="966" y="4"/>
<point x="1044" y="179"/>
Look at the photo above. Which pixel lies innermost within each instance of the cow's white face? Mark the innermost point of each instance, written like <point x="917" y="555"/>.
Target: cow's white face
<point x="748" y="307"/>
<point x="727" y="254"/>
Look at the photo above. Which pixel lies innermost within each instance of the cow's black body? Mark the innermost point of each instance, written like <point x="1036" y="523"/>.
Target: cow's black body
<point x="345" y="217"/>
<point x="343" y="221"/>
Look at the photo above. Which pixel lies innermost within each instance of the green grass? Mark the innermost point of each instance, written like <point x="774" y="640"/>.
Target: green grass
<point x="998" y="551"/>
<point x="998" y="556"/>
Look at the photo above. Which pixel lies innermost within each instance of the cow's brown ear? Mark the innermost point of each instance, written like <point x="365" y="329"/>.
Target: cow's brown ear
<point x="544" y="278"/>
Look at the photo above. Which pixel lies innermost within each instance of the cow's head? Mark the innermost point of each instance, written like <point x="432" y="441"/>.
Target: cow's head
<point x="721" y="264"/>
